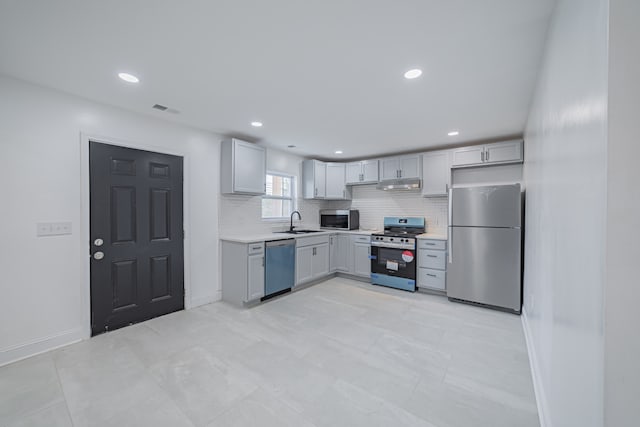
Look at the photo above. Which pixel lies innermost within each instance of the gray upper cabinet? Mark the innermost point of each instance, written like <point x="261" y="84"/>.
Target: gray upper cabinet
<point x="489" y="154"/>
<point x="400" y="167"/>
<point x="504" y="152"/>
<point x="436" y="173"/>
<point x="362" y="172"/>
<point x="314" y="179"/>
<point x="243" y="168"/>
<point x="336" y="188"/>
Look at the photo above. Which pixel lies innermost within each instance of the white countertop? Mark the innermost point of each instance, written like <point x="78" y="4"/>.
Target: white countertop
<point x="432" y="236"/>
<point x="266" y="237"/>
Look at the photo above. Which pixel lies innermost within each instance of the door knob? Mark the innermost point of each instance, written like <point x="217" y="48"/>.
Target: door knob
<point x="98" y="255"/>
<point x="98" y="242"/>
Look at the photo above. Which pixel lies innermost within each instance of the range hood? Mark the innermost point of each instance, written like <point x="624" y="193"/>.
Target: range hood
<point x="406" y="184"/>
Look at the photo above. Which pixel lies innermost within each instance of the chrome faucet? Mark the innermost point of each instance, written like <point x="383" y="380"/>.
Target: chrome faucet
<point x="299" y="218"/>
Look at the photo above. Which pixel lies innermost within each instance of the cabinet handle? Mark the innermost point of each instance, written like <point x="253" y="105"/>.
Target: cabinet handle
<point x="482" y="156"/>
<point x="255" y="248"/>
<point x="486" y="156"/>
<point x="316" y="192"/>
<point x="431" y="275"/>
<point x="263" y="261"/>
<point x="432" y="256"/>
<point x="430" y="244"/>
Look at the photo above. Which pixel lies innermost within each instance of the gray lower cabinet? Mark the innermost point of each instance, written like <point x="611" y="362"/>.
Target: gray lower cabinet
<point x="361" y="253"/>
<point x="312" y="258"/>
<point x="340" y="259"/>
<point x="242" y="272"/>
<point x="432" y="264"/>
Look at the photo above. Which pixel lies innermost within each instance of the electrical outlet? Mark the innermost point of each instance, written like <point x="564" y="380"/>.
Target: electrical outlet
<point x="43" y="229"/>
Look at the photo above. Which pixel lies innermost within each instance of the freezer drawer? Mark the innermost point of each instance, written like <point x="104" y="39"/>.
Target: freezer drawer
<point x="431" y="279"/>
<point x="485" y="266"/>
<point x="491" y="206"/>
<point x="432" y="259"/>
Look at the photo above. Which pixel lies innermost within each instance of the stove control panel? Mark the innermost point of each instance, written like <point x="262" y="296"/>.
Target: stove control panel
<point x="393" y="242"/>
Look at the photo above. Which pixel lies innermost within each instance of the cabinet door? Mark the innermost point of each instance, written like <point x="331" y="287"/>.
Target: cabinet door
<point x="255" y="277"/>
<point x="436" y="173"/>
<point x="249" y="168"/>
<point x="361" y="262"/>
<point x="503" y="152"/>
<point x="320" y="179"/>
<point x="335" y="181"/>
<point x="345" y="254"/>
<point x="410" y="167"/>
<point x="320" y="262"/>
<point x="389" y="169"/>
<point x="468" y="156"/>
<point x="304" y="264"/>
<point x="354" y="173"/>
<point x="333" y="253"/>
<point x="370" y="171"/>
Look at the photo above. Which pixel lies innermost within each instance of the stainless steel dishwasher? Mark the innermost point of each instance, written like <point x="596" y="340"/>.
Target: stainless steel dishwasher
<point x="280" y="265"/>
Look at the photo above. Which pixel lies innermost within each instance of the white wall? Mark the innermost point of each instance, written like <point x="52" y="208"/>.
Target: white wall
<point x="43" y="279"/>
<point x="565" y="176"/>
<point x="622" y="318"/>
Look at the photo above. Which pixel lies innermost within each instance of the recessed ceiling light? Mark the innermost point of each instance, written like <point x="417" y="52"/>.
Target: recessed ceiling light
<point x="454" y="133"/>
<point x="338" y="152"/>
<point x="256" y="124"/>
<point x="412" y="74"/>
<point x="128" y="77"/>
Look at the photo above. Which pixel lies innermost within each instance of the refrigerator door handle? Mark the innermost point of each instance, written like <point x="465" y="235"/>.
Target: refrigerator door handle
<point x="450" y="226"/>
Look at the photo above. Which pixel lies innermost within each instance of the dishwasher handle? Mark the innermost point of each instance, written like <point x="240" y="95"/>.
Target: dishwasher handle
<point x="282" y="242"/>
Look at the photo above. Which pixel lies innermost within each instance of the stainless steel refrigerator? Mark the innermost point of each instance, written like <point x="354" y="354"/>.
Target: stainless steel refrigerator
<point x="485" y="246"/>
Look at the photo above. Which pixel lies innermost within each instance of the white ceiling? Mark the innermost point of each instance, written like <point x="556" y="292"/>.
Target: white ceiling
<point x="321" y="75"/>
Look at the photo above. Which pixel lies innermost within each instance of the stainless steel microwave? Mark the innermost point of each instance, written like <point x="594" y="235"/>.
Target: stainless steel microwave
<point x="347" y="219"/>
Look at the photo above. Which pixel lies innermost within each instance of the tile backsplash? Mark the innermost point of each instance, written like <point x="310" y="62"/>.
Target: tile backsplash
<point x="375" y="204"/>
<point x="242" y="214"/>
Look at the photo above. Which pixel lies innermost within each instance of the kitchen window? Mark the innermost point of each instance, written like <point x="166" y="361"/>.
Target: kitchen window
<point x="279" y="200"/>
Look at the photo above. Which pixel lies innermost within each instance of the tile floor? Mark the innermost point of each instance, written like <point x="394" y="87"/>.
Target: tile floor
<point x="341" y="353"/>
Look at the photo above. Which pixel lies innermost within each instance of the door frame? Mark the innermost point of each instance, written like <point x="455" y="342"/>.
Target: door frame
<point x="85" y="223"/>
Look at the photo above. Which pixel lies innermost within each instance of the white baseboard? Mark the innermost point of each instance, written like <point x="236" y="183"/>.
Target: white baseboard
<point x="208" y="299"/>
<point x="541" y="398"/>
<point x="38" y="346"/>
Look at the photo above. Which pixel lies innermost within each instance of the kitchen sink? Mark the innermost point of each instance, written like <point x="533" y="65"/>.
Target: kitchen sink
<point x="299" y="231"/>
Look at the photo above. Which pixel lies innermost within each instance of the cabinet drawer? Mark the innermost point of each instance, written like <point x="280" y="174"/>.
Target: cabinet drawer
<point x="433" y="279"/>
<point x="255" y="248"/>
<point x="440" y="245"/>
<point x="432" y="259"/>
<point x="361" y="238"/>
<point x="310" y="241"/>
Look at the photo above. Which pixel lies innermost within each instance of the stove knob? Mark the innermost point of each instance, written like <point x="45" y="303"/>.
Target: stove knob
<point x="391" y="239"/>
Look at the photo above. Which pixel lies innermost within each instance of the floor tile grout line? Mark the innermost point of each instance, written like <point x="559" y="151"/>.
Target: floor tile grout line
<point x="64" y="395"/>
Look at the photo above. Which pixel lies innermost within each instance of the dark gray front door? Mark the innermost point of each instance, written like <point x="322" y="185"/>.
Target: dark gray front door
<point x="137" y="247"/>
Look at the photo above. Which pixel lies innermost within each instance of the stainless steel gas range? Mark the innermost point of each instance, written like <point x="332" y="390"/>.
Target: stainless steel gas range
<point x="393" y="253"/>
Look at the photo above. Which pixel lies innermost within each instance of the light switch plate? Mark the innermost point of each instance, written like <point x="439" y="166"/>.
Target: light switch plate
<point x="53" y="229"/>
